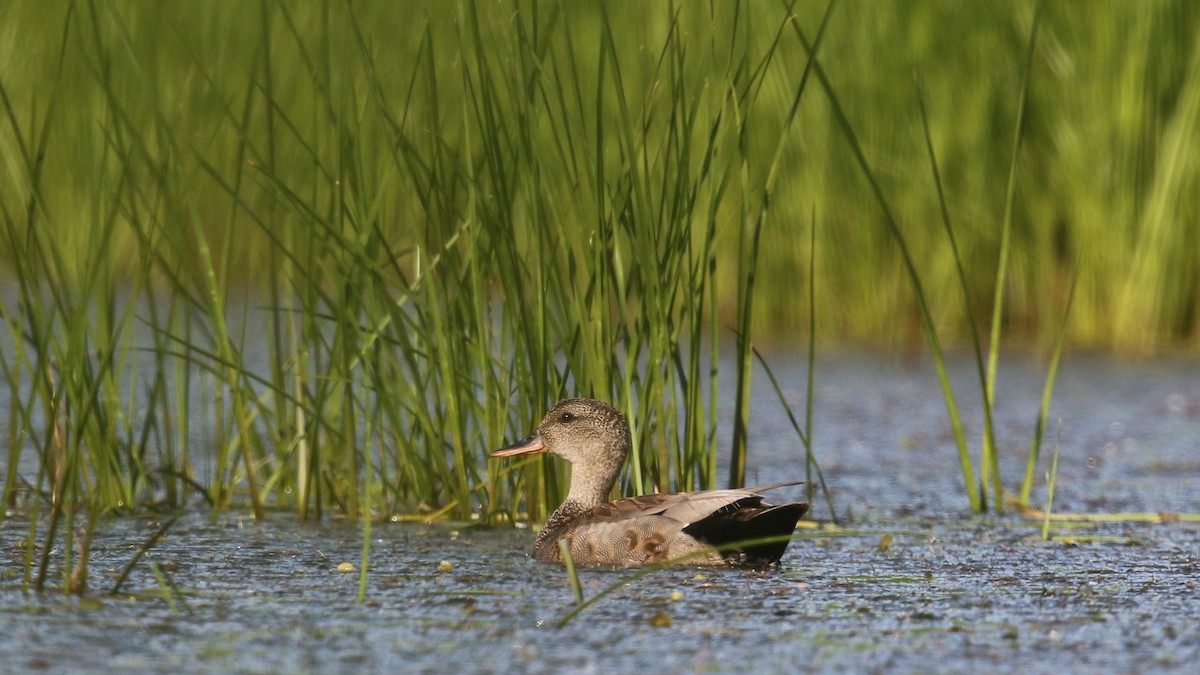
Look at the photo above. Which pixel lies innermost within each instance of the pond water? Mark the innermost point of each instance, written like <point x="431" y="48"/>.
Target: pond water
<point x="952" y="592"/>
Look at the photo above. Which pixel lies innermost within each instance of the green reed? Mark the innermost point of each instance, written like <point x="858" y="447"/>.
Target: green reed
<point x="1088" y="126"/>
<point x="441" y="247"/>
<point x="988" y="481"/>
<point x="322" y="257"/>
<point x="1051" y="480"/>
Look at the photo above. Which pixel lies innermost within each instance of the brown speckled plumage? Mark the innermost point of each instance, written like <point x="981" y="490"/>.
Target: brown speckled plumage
<point x="594" y="437"/>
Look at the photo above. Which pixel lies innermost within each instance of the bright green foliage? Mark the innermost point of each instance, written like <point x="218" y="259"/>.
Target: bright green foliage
<point x="258" y="252"/>
<point x="349" y="250"/>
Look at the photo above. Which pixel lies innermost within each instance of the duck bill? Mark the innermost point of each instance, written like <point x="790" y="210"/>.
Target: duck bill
<point x="526" y="446"/>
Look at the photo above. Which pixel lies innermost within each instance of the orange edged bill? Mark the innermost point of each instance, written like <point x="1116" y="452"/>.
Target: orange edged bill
<point x="526" y="446"/>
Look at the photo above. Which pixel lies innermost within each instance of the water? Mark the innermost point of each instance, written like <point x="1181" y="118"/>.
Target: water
<point x="952" y="592"/>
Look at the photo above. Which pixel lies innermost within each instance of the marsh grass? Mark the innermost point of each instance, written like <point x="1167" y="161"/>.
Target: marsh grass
<point x="985" y="487"/>
<point x="569" y="567"/>
<point x="321" y="258"/>
<point x="442" y="247"/>
<point x="1051" y="481"/>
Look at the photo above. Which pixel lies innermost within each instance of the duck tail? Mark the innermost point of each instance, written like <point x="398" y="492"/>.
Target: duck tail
<point x="730" y="526"/>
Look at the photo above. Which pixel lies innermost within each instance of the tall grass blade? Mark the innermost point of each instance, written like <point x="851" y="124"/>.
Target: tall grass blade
<point x="974" y="496"/>
<point x="805" y="434"/>
<point x="966" y="466"/>
<point x="1035" y="446"/>
<point x="145" y="547"/>
<point x="572" y="574"/>
<point x="810" y="460"/>
<point x="367" y="511"/>
<point x="748" y="253"/>
<point x="1051" y="480"/>
<point x="990" y="465"/>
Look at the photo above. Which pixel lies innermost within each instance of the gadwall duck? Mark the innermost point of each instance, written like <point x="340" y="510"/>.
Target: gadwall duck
<point x="594" y="437"/>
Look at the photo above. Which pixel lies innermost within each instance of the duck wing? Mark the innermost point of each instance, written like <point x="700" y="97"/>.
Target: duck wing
<point x="685" y="507"/>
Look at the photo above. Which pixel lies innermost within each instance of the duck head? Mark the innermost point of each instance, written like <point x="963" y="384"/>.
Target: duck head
<point x="591" y="435"/>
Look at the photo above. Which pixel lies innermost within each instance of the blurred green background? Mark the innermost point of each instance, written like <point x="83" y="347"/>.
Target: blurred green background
<point x="1107" y="176"/>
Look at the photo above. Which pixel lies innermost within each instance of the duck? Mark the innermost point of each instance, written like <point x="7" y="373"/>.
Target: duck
<point x="693" y="528"/>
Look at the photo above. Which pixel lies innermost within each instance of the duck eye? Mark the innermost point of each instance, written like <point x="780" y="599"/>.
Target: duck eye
<point x="567" y="417"/>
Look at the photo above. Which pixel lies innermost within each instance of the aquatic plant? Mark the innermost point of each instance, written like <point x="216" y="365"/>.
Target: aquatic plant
<point x="985" y="487"/>
<point x="323" y="257"/>
<point x="423" y="280"/>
